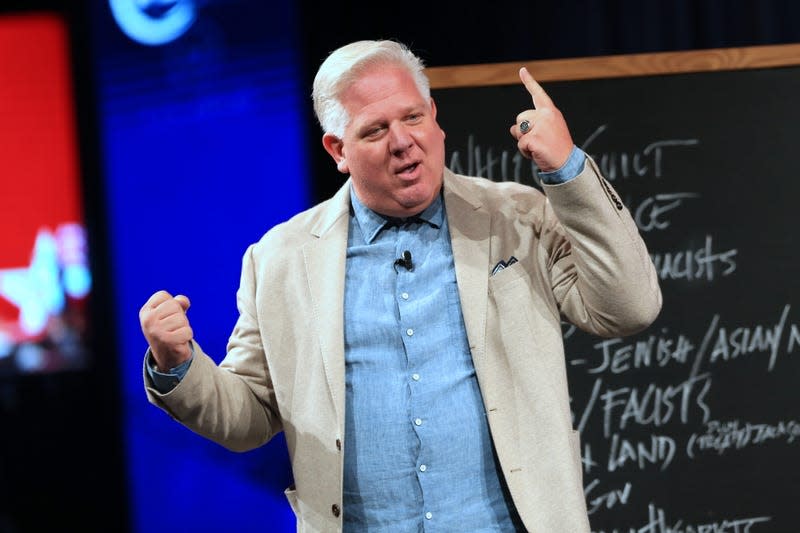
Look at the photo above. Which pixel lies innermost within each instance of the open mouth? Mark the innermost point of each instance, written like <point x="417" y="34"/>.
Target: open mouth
<point x="407" y="169"/>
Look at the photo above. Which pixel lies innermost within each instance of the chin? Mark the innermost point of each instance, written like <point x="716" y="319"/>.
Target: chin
<point x="418" y="204"/>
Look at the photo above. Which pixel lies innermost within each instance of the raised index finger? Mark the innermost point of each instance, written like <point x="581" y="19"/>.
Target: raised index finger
<point x="540" y="98"/>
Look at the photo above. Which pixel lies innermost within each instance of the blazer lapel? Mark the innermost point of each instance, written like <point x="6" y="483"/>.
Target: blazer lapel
<point x="470" y="227"/>
<point x="325" y="272"/>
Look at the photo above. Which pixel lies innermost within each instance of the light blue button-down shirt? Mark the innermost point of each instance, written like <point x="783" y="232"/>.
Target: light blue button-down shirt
<point x="418" y="455"/>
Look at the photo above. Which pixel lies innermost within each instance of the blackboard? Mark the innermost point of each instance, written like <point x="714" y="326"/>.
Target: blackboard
<point x="694" y="424"/>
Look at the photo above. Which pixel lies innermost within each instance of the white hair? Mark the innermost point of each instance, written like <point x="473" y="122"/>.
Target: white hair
<point x="343" y="67"/>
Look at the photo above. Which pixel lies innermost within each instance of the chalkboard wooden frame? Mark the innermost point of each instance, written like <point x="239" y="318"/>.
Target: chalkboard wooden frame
<point x="615" y="66"/>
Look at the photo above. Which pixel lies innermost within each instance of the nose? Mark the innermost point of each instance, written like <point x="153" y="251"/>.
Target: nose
<point x="400" y="139"/>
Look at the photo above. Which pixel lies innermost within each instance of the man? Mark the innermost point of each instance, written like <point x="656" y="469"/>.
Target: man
<point x="405" y="334"/>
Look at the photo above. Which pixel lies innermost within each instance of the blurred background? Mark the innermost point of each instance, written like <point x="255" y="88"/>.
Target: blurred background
<point x="144" y="144"/>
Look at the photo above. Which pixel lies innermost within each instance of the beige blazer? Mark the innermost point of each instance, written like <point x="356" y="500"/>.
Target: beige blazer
<point x="579" y="255"/>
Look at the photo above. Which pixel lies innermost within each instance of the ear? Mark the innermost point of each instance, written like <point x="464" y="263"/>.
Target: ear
<point x="335" y="147"/>
<point x="433" y="114"/>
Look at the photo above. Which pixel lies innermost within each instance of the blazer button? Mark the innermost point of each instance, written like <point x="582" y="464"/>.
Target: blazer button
<point x="335" y="510"/>
<point x="339" y="444"/>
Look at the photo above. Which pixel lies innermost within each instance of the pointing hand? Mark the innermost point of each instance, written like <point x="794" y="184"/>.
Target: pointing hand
<point x="546" y="138"/>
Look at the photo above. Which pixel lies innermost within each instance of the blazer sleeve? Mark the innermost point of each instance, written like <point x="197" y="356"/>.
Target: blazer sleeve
<point x="232" y="404"/>
<point x="602" y="276"/>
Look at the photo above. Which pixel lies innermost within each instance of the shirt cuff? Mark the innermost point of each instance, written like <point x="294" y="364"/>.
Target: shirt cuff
<point x="166" y="381"/>
<point x="568" y="171"/>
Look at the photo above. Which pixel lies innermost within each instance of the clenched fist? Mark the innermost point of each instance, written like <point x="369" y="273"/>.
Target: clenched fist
<point x="166" y="328"/>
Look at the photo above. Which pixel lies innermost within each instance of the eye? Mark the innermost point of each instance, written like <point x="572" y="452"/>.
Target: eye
<point x="414" y="117"/>
<point x="374" y="132"/>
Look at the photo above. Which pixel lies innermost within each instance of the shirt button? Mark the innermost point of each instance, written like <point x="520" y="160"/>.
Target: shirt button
<point x="335" y="510"/>
<point x="404" y="296"/>
<point x="429" y="515"/>
<point x="338" y="444"/>
<point x="418" y="421"/>
<point x="409" y="332"/>
<point x="415" y="377"/>
<point x="422" y="468"/>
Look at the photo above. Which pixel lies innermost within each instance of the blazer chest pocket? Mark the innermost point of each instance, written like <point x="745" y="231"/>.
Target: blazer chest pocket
<point x="512" y="294"/>
<point x="510" y="274"/>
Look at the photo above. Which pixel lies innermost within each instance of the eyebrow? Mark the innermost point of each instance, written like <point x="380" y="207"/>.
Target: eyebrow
<point x="405" y="111"/>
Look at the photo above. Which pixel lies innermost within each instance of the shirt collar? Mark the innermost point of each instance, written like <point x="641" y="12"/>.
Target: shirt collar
<point x="371" y="223"/>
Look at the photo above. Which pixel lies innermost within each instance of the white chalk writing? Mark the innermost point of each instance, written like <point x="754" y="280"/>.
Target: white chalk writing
<point x="723" y="436"/>
<point x="657" y="523"/>
<point x="656" y="350"/>
<point x="651" y="212"/>
<point x="640" y="163"/>
<point x="606" y="500"/>
<point x="696" y="263"/>
<point x="659" y="449"/>
<point x="746" y="340"/>
<point x="654" y="405"/>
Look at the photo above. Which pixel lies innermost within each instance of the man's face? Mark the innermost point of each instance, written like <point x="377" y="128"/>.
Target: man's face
<point x="393" y="147"/>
